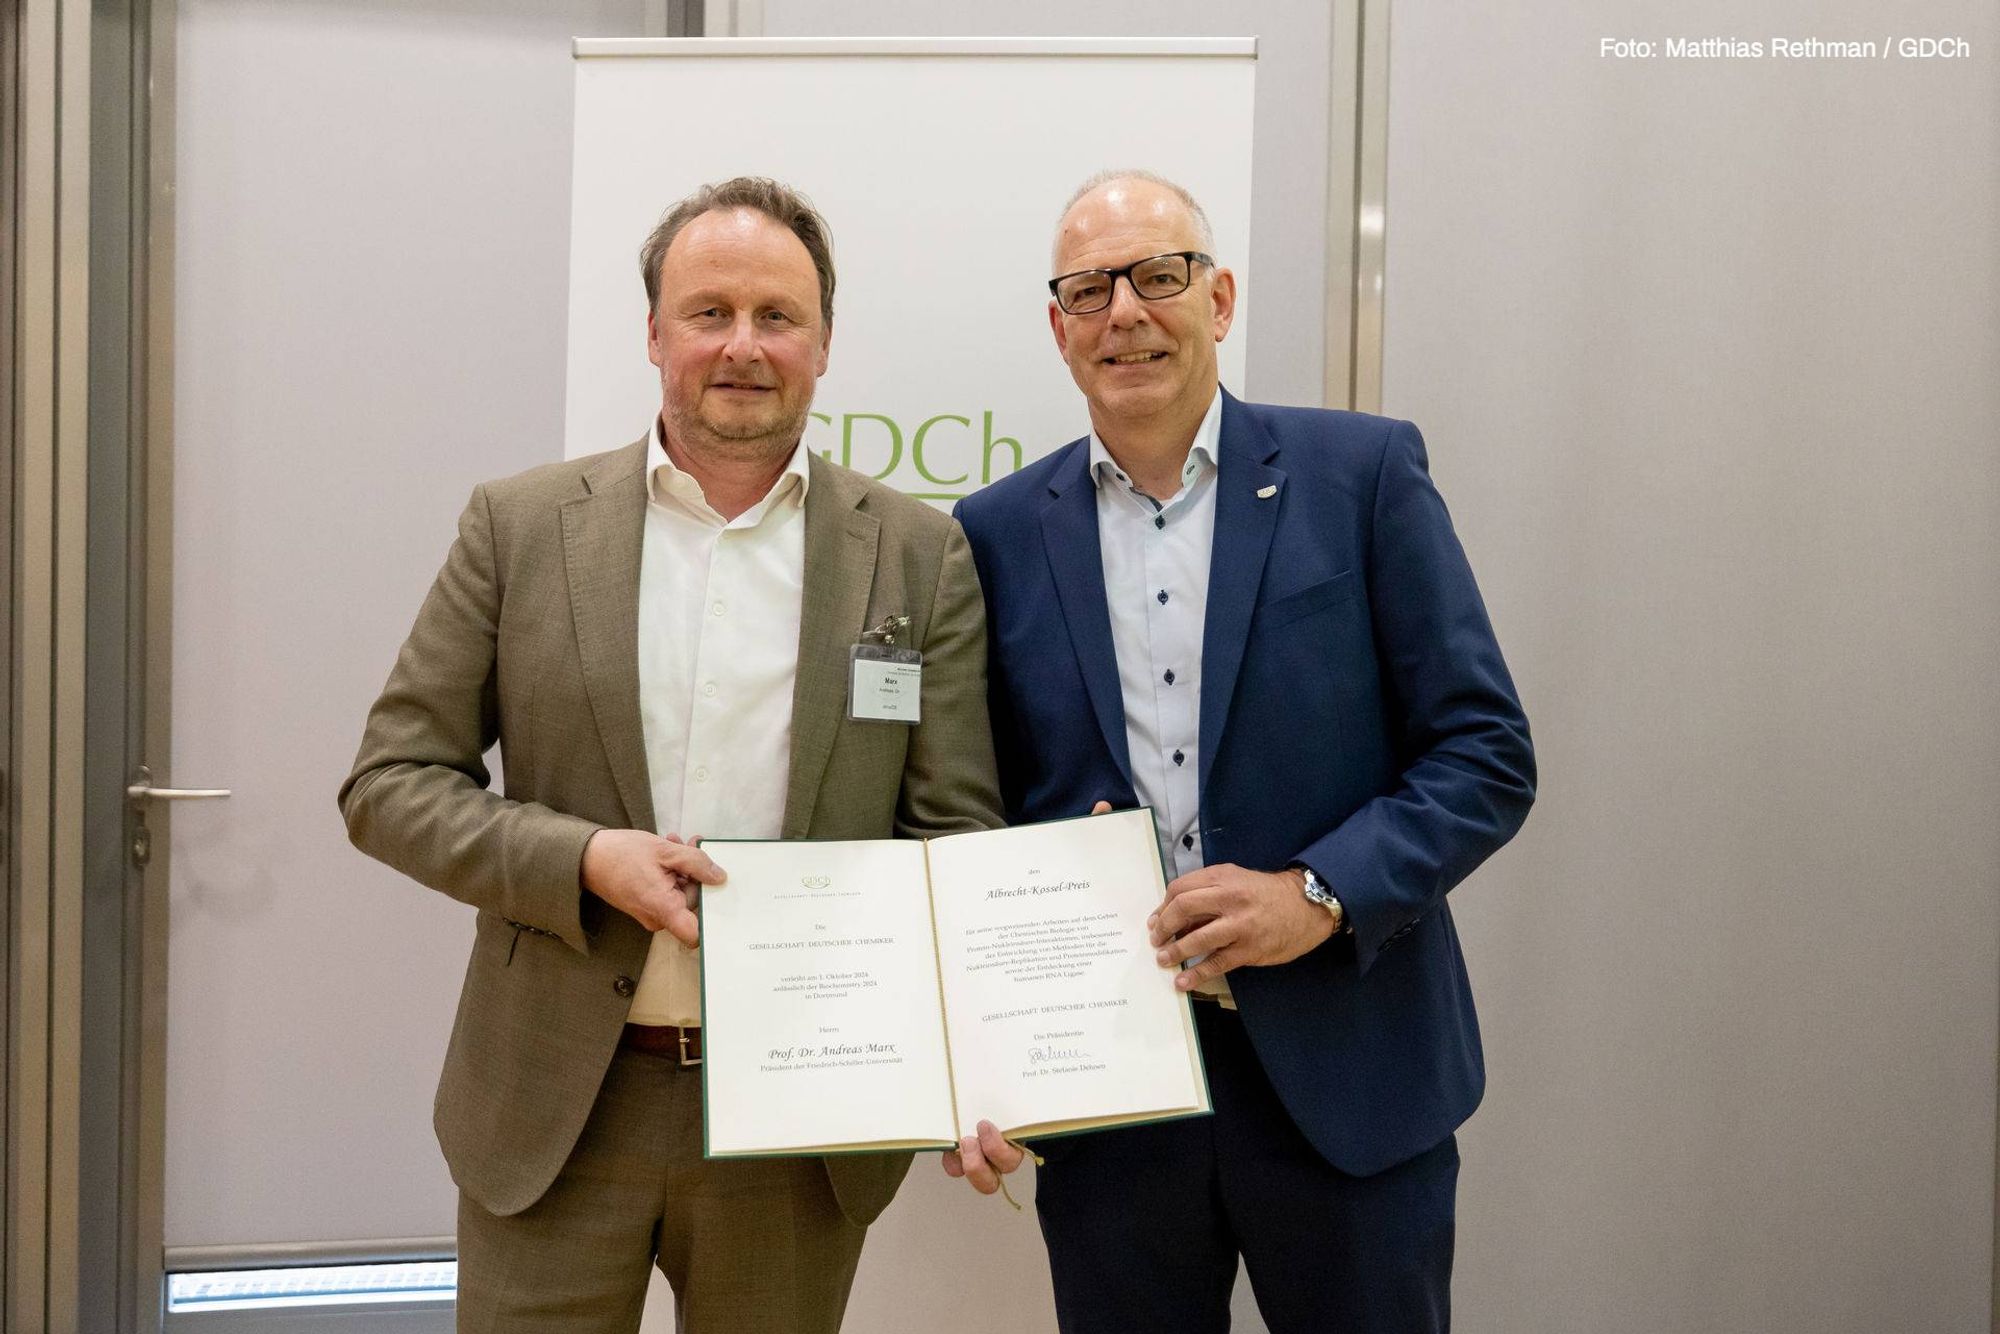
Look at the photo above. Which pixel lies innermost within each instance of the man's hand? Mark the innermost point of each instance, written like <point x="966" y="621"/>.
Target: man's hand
<point x="983" y="1158"/>
<point x="650" y="879"/>
<point x="1236" y="917"/>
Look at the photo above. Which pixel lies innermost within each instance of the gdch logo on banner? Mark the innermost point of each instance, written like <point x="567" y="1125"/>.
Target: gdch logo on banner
<point x="945" y="450"/>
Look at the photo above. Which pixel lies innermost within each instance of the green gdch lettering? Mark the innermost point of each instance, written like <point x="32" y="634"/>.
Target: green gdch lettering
<point x="847" y="440"/>
<point x="989" y="445"/>
<point x="986" y="457"/>
<point x="917" y="448"/>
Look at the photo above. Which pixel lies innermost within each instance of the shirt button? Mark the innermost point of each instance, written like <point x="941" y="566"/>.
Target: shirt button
<point x="716" y="609"/>
<point x="1159" y="521"/>
<point x="1169" y="678"/>
<point x="1163" y="597"/>
<point x="709" y="690"/>
<point x="1179" y="758"/>
<point x="701" y="775"/>
<point x="622" y="985"/>
<point x="1187" y="840"/>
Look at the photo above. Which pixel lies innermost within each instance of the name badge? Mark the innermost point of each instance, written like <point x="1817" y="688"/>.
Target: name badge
<point x="884" y="683"/>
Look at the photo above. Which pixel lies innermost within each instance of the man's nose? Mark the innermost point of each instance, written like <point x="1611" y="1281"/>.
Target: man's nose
<point x="742" y="344"/>
<point x="1126" y="307"/>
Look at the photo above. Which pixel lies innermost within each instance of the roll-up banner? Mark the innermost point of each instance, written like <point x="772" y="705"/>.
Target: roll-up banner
<point x="941" y="167"/>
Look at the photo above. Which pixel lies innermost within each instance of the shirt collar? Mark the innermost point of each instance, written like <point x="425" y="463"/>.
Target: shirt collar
<point x="1201" y="455"/>
<point x="666" y="483"/>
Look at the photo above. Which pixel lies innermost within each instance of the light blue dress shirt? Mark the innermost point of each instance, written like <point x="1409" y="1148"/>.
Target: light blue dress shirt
<point x="1156" y="559"/>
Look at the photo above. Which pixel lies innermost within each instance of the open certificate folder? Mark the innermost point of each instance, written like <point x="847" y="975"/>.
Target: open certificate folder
<point x="891" y="994"/>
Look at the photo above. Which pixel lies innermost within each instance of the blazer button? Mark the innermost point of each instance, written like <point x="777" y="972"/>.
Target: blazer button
<point x="622" y="985"/>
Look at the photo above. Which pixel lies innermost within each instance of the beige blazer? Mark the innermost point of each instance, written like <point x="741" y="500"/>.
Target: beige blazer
<point x="529" y="637"/>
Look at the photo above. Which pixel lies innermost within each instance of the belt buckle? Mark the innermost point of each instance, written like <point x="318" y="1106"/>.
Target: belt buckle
<point x="681" y="1036"/>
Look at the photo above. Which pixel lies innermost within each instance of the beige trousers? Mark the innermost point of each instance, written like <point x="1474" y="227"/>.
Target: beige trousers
<point x="754" y="1246"/>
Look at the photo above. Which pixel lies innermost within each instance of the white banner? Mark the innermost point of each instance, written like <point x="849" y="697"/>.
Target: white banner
<point x="941" y="167"/>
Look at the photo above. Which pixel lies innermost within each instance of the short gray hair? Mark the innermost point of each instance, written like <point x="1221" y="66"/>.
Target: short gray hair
<point x="773" y="199"/>
<point x="1099" y="180"/>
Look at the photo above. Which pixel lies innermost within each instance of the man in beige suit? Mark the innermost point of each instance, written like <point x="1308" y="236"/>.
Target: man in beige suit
<point x="657" y="637"/>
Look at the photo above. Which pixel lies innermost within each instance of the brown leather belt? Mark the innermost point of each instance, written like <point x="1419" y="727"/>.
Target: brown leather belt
<point x="676" y="1044"/>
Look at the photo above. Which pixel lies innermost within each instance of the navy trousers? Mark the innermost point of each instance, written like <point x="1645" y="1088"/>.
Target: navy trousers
<point x="1144" y="1224"/>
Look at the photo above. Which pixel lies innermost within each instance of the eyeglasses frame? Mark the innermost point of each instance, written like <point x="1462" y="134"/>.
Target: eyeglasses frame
<point x="1193" y="257"/>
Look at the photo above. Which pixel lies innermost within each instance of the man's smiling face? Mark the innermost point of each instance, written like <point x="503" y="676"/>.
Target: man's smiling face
<point x="737" y="335"/>
<point x="1137" y="361"/>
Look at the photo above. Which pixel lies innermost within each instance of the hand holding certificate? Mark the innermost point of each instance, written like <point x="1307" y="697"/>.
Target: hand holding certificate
<point x="890" y="994"/>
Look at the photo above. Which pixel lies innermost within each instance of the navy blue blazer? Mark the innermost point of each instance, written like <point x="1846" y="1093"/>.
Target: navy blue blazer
<point x="1356" y="717"/>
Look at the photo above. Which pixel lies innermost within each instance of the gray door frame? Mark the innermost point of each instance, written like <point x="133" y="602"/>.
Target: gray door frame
<point x="87" y="324"/>
<point x="48" y="369"/>
<point x="152" y="599"/>
<point x="118" y="1262"/>
<point x="10" y="94"/>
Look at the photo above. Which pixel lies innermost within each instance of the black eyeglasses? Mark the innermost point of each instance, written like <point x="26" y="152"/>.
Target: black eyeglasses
<point x="1154" y="278"/>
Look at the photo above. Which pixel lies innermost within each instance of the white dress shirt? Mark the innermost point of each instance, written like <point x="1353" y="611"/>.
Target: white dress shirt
<point x="718" y="651"/>
<point x="1156" y="559"/>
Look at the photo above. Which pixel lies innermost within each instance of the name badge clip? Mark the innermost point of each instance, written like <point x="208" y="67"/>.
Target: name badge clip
<point x="888" y="632"/>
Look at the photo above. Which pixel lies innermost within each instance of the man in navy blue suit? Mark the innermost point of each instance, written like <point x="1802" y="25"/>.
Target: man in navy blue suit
<point x="1257" y="621"/>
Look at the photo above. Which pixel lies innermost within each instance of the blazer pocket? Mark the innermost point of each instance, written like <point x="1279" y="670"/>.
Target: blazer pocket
<point x="517" y="930"/>
<point x="1289" y="607"/>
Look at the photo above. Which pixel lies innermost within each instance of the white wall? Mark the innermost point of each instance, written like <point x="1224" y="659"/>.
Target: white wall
<point x="1708" y="356"/>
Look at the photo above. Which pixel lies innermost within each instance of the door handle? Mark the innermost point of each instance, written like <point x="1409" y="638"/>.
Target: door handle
<point x="140" y="791"/>
<point x="143" y="790"/>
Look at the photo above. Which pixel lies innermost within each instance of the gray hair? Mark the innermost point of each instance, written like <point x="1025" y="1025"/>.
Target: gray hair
<point x="1203" y="232"/>
<point x="772" y="198"/>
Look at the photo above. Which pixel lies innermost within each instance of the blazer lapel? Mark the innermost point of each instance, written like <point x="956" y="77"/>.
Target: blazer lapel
<point x="841" y="542"/>
<point x="1244" y="523"/>
<point x="603" y="532"/>
<point x="1076" y="565"/>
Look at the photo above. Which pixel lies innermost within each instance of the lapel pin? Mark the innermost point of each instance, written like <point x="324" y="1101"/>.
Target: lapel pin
<point x="1267" y="493"/>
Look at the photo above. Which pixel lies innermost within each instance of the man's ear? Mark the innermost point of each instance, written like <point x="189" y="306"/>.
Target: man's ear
<point x="825" y="346"/>
<point x="1222" y="298"/>
<point x="1056" y="326"/>
<point x="653" y="353"/>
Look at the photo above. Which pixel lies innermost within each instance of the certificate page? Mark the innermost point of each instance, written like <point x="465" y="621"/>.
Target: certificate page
<point x="821" y="1026"/>
<point x="1057" y="1010"/>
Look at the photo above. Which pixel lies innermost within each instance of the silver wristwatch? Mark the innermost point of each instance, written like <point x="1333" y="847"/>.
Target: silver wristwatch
<point x="1317" y="891"/>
